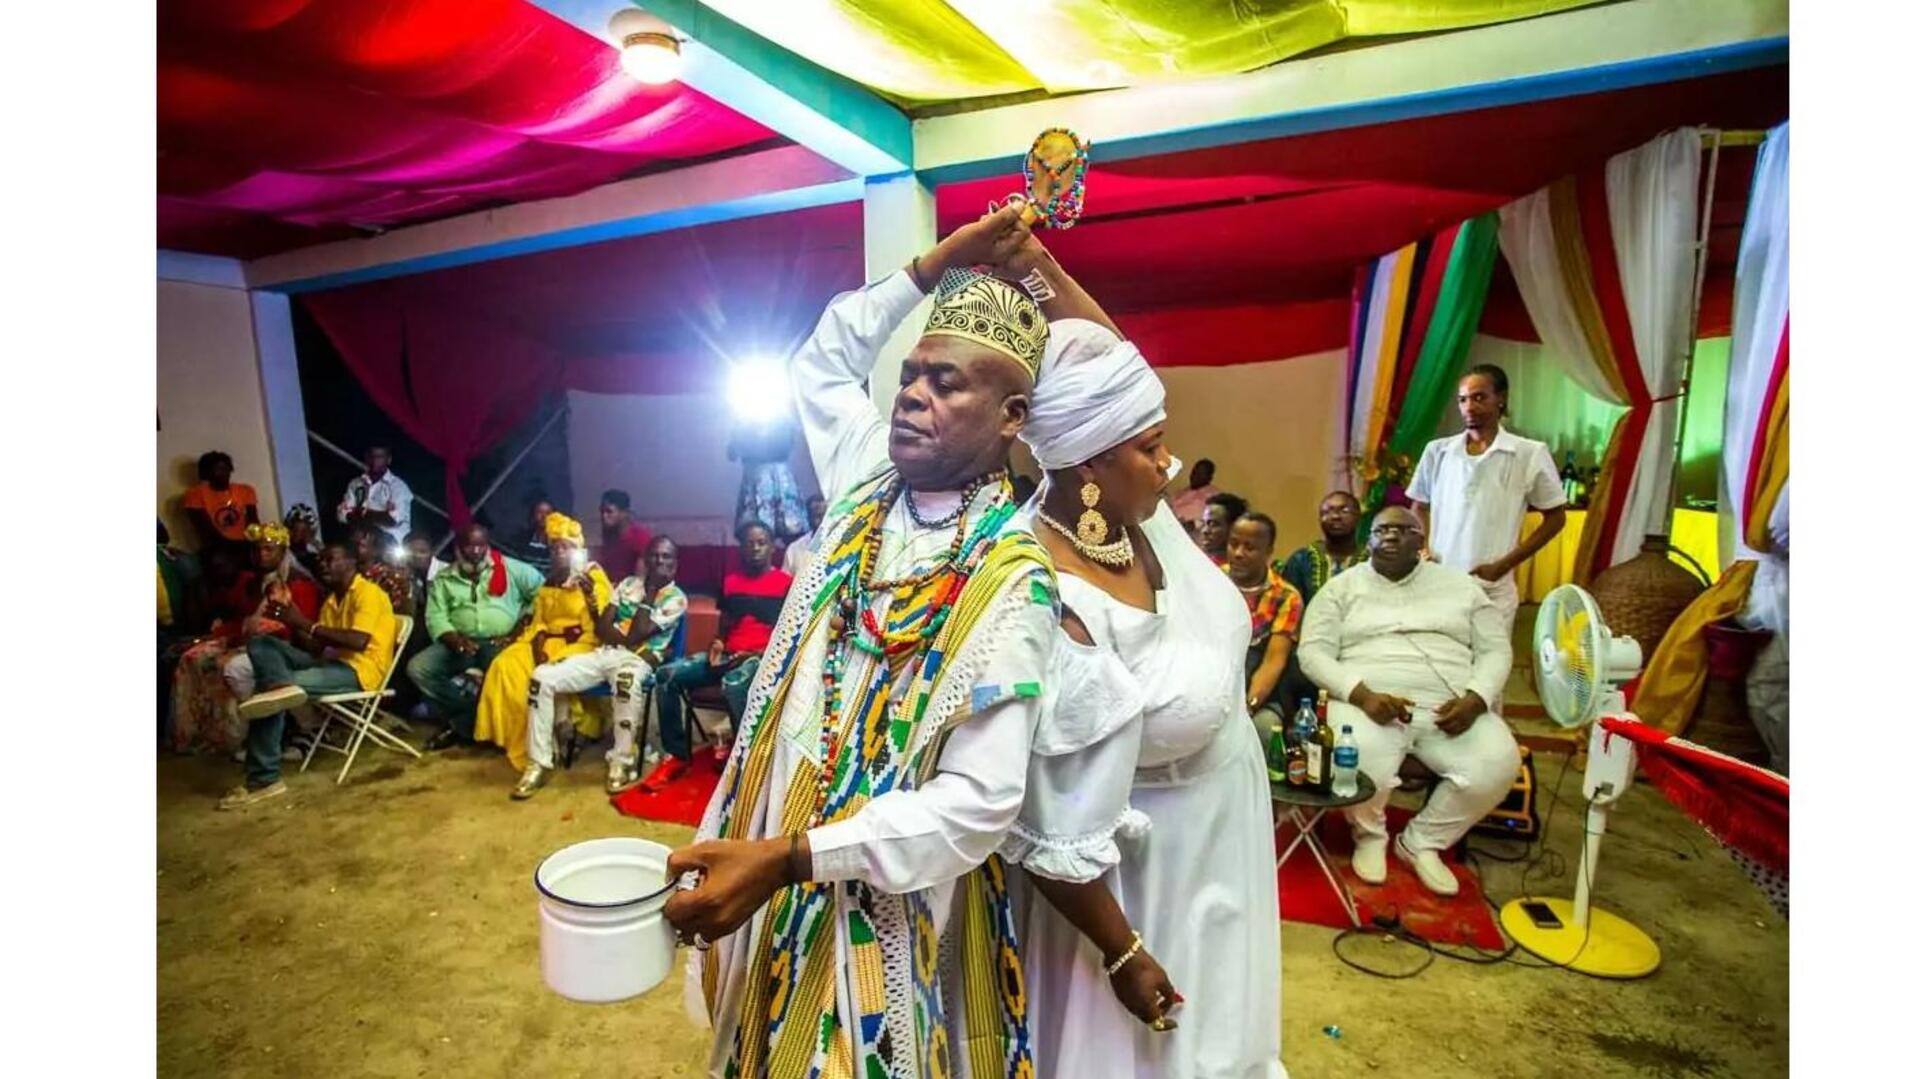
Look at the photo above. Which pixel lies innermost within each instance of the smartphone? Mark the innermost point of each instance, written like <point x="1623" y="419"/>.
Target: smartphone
<point x="1541" y="915"/>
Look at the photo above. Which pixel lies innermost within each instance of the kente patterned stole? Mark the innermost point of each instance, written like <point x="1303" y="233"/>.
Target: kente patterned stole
<point x="789" y="1024"/>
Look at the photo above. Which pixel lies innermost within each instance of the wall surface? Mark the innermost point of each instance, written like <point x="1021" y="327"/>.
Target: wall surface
<point x="670" y="453"/>
<point x="208" y="390"/>
<point x="1272" y="431"/>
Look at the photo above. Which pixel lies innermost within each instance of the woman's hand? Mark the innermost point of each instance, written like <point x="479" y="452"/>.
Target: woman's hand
<point x="1145" y="990"/>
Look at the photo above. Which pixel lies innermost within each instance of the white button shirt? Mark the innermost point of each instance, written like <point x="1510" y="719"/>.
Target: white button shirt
<point x="388" y="494"/>
<point x="1479" y="503"/>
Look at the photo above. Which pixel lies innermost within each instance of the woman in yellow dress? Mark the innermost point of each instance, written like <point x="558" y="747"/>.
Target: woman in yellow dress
<point x="560" y="625"/>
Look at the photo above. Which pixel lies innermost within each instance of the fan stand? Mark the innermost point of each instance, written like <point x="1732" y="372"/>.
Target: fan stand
<point x="1588" y="939"/>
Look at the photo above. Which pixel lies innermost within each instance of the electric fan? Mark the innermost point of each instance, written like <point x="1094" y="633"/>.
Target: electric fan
<point x="1580" y="667"/>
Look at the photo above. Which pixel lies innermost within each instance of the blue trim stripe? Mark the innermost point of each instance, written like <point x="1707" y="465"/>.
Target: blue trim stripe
<point x="775" y="202"/>
<point x="1626" y="74"/>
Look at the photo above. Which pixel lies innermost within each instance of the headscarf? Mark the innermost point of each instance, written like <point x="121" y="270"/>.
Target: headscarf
<point x="562" y="527"/>
<point x="1095" y="391"/>
<point x="303" y="514"/>
<point x="276" y="535"/>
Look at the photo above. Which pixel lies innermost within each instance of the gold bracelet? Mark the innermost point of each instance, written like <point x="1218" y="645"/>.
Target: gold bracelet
<point x="1114" y="967"/>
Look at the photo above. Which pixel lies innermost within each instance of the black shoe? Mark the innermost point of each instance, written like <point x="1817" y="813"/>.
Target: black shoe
<point x="446" y="739"/>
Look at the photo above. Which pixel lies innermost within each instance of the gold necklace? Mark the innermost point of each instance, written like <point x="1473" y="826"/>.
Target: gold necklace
<point x="1118" y="554"/>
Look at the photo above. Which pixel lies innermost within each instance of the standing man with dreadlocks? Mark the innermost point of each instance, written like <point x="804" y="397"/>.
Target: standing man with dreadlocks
<point x="883" y="753"/>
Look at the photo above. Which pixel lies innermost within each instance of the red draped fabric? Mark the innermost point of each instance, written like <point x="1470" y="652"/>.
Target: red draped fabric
<point x="456" y="384"/>
<point x="1741" y="805"/>
<point x="289" y="122"/>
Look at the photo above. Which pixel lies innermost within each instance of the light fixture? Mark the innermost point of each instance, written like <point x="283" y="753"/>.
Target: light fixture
<point x="757" y="390"/>
<point x="648" y="50"/>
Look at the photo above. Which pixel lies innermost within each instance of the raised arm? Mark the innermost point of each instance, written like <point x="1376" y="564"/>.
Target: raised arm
<point x="846" y="434"/>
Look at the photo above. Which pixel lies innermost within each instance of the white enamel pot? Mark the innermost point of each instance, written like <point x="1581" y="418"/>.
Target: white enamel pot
<point x="602" y="936"/>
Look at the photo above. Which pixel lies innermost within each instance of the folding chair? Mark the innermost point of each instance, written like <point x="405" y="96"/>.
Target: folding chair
<point x="359" y="711"/>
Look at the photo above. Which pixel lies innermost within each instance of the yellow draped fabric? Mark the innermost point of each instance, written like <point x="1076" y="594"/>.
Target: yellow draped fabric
<point x="1677" y="671"/>
<point x="1695" y="533"/>
<point x="941" y="50"/>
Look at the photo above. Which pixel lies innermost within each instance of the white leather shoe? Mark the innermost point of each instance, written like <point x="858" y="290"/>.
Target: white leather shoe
<point x="1370" y="860"/>
<point x="1433" y="872"/>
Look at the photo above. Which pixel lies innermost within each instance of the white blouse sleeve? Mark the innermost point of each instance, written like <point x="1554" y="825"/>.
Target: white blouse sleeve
<point x="1081" y="772"/>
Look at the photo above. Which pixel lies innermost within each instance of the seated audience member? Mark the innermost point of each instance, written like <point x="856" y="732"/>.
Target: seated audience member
<point x="474" y="610"/>
<point x="561" y="625"/>
<point x="347" y="649"/>
<point x="1309" y="568"/>
<point x="378" y="497"/>
<point x="214" y="674"/>
<point x="1411" y="652"/>
<point x="636" y="631"/>
<point x="533" y="545"/>
<point x="219" y="508"/>
<point x="1275" y="608"/>
<point x="303" y="537"/>
<point x="750" y="602"/>
<point x="375" y="557"/>
<point x="623" y="540"/>
<point x="1188" y="504"/>
<point x="1216" y="521"/>
<point x="800" y="550"/>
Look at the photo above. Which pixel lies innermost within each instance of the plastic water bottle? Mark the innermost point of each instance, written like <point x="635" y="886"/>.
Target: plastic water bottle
<point x="1346" y="764"/>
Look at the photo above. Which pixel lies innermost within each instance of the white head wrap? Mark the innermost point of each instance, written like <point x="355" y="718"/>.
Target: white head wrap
<point x="1094" y="392"/>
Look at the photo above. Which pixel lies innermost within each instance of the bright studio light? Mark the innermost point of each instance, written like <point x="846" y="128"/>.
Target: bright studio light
<point x="648" y="50"/>
<point x="757" y="390"/>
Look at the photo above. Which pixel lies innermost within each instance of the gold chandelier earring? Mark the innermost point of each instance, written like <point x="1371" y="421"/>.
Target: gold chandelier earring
<point x="1091" y="528"/>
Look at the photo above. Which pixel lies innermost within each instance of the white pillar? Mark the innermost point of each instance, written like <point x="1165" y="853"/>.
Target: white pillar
<point x="899" y="224"/>
<point x="286" y="413"/>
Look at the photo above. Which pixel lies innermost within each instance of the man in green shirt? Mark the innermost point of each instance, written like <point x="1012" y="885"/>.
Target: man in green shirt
<point x="475" y="607"/>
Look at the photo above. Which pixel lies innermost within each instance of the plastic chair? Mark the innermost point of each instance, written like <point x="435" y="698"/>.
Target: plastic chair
<point x="359" y="710"/>
<point x="676" y="647"/>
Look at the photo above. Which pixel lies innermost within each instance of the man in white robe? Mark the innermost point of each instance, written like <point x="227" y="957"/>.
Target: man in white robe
<point x="1411" y="653"/>
<point x="908" y="855"/>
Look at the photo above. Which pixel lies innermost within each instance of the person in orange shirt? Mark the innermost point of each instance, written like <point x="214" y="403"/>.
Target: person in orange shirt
<point x="219" y="508"/>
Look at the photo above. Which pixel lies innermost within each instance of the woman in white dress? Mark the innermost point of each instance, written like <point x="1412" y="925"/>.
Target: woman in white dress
<point x="1147" y="824"/>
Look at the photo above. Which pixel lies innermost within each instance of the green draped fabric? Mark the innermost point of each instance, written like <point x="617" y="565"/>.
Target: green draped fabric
<point x="1456" y="317"/>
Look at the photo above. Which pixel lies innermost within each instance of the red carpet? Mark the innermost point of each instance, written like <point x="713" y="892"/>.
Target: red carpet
<point x="681" y="801"/>
<point x="1305" y="895"/>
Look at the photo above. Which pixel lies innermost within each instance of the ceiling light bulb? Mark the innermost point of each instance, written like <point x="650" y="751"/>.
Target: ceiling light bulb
<point x="651" y="58"/>
<point x="649" y="51"/>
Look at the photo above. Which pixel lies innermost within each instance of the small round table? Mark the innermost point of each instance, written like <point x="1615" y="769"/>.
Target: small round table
<point x="1304" y="808"/>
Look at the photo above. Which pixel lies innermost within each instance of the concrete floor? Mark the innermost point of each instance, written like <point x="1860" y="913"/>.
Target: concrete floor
<point x="387" y="928"/>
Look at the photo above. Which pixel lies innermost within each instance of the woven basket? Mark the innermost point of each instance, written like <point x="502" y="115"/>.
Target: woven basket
<point x="1641" y="597"/>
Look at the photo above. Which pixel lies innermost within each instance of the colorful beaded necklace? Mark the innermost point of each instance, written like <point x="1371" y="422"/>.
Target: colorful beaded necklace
<point x="855" y="625"/>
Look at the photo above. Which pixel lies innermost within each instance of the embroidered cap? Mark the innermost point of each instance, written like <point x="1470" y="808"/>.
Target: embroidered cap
<point x="988" y="311"/>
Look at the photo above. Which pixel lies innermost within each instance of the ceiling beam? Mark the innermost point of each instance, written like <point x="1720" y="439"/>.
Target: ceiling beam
<point x="827" y="113"/>
<point x="771" y="181"/>
<point x="1607" y="47"/>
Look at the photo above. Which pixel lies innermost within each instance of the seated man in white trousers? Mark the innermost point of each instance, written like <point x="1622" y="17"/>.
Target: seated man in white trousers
<point x="1410" y="653"/>
<point x="635" y="632"/>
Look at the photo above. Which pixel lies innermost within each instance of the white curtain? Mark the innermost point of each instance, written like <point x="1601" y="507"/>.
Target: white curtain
<point x="1653" y="209"/>
<point x="1759" y="319"/>
<point x="1526" y="240"/>
<point x="1653" y="197"/>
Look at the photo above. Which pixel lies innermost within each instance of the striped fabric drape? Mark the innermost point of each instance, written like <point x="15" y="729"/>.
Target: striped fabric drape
<point x="1604" y="261"/>
<point x="1753" y="465"/>
<point x="1414" y="313"/>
